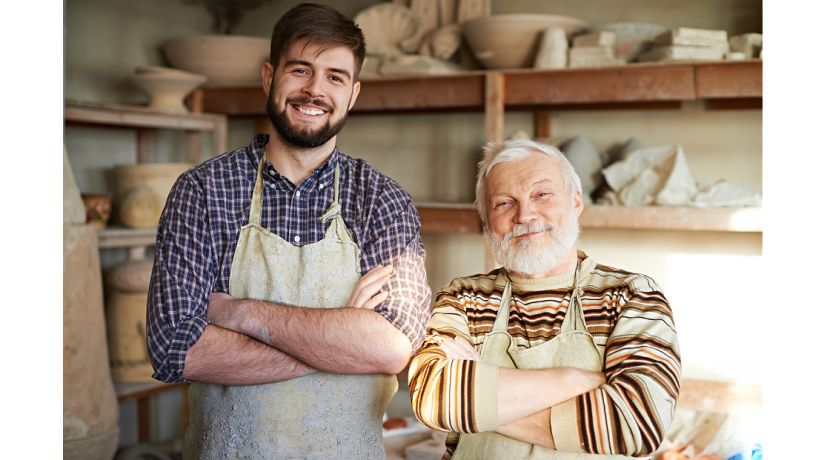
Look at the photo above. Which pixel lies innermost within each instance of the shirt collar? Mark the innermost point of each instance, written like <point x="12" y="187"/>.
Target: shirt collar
<point x="323" y="173"/>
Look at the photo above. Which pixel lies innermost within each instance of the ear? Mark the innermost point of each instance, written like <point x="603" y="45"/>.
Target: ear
<point x="578" y="205"/>
<point x="355" y="92"/>
<point x="267" y="77"/>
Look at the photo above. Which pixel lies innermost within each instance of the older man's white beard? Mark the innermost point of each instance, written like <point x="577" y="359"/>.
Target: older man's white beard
<point x="536" y="256"/>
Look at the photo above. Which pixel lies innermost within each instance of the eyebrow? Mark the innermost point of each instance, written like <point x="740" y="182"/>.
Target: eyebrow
<point x="300" y="62"/>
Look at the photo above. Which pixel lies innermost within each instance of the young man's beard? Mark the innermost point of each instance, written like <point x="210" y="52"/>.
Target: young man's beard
<point x="305" y="138"/>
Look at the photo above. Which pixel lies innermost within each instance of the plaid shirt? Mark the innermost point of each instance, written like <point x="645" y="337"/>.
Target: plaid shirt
<point x="208" y="205"/>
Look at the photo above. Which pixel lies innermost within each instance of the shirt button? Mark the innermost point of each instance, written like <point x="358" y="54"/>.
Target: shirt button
<point x="321" y="186"/>
<point x="297" y="239"/>
<point x="272" y="185"/>
<point x="297" y="194"/>
<point x="273" y="172"/>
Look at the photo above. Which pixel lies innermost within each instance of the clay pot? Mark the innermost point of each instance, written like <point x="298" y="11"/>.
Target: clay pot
<point x="226" y="60"/>
<point x="126" y="336"/>
<point x="141" y="191"/>
<point x="509" y="41"/>
<point x="90" y="408"/>
<point x="98" y="209"/>
<point x="167" y="90"/>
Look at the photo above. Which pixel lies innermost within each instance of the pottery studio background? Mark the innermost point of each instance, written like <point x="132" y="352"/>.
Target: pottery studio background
<point x="434" y="158"/>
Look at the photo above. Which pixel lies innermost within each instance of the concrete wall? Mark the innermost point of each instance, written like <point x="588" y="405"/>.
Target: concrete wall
<point x="434" y="157"/>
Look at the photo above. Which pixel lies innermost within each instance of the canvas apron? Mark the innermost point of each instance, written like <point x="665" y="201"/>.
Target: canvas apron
<point x="317" y="416"/>
<point x="573" y="347"/>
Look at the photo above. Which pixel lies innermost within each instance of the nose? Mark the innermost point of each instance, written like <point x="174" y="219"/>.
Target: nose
<point x="314" y="86"/>
<point x="525" y="212"/>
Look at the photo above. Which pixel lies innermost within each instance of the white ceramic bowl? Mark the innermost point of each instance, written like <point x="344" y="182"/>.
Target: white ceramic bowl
<point x="167" y="90"/>
<point x="509" y="41"/>
<point x="227" y="60"/>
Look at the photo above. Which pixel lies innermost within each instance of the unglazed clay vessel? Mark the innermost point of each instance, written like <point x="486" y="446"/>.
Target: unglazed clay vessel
<point x="167" y="90"/>
<point x="509" y="41"/>
<point x="226" y="60"/>
<point x="385" y="26"/>
<point x="141" y="191"/>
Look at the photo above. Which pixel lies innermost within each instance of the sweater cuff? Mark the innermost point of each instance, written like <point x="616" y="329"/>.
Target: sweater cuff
<point x="563" y="427"/>
<point x="486" y="397"/>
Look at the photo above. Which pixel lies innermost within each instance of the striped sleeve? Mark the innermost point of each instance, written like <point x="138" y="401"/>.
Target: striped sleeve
<point x="452" y="394"/>
<point x="630" y="413"/>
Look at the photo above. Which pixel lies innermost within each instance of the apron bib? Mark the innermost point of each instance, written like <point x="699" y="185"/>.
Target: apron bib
<point x="317" y="416"/>
<point x="573" y="347"/>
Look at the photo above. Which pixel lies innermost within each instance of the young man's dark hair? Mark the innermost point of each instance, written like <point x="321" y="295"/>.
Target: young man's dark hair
<point x="318" y="24"/>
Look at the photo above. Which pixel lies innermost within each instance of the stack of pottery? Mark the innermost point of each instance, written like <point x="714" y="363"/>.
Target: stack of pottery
<point x="142" y="189"/>
<point x="127" y="320"/>
<point x="90" y="408"/>
<point x="166" y="87"/>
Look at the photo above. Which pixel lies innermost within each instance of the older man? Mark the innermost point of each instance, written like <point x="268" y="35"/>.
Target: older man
<point x="554" y="355"/>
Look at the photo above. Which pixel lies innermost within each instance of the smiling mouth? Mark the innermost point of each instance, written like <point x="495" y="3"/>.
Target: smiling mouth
<point x="308" y="110"/>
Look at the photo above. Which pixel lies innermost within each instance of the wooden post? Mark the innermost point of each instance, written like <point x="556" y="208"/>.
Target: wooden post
<point x="143" y="145"/>
<point x="193" y="141"/>
<point x="543" y="128"/>
<point x="144" y="419"/>
<point x="494" y="107"/>
<point x="220" y="138"/>
<point x="195" y="101"/>
<point x="494" y="131"/>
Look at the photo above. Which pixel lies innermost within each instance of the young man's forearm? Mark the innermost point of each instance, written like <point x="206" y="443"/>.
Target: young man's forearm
<point x="225" y="357"/>
<point x="337" y="340"/>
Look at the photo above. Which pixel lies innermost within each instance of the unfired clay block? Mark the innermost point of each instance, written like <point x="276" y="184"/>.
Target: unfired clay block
<point x="725" y="194"/>
<point x="427" y="10"/>
<point x="656" y="175"/>
<point x="734" y="56"/>
<point x="749" y="44"/>
<point x="553" y="49"/>
<point x="442" y="43"/>
<point x="683" y="53"/>
<point x="592" y="56"/>
<point x="691" y="37"/>
<point x="596" y="39"/>
<point x="385" y="25"/>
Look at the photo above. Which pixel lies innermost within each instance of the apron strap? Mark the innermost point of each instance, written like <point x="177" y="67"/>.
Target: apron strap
<point x="574" y="317"/>
<point x="334" y="208"/>
<point x="255" y="215"/>
<point x="502" y="317"/>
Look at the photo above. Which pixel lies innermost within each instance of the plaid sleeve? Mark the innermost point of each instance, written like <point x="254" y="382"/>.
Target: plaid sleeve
<point x="184" y="271"/>
<point x="394" y="238"/>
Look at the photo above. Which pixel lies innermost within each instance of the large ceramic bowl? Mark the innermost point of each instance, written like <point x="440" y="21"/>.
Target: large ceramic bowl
<point x="632" y="37"/>
<point x="227" y="60"/>
<point x="509" y="41"/>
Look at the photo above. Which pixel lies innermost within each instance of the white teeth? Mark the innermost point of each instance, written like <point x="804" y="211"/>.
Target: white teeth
<point x="310" y="111"/>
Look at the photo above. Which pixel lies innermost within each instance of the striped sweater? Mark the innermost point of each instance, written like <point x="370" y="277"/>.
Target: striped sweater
<point x="631" y="324"/>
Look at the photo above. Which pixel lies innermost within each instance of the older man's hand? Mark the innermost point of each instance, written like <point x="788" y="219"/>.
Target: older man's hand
<point x="458" y="348"/>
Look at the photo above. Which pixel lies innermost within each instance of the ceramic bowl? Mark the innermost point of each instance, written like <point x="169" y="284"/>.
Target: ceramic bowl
<point x="632" y="37"/>
<point x="227" y="60"/>
<point x="509" y="41"/>
<point x="167" y="90"/>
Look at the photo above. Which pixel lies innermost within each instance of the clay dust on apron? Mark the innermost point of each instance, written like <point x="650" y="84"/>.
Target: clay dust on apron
<point x="317" y="416"/>
<point x="572" y="347"/>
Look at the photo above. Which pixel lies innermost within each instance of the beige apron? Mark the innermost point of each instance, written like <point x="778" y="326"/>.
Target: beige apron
<point x="573" y="347"/>
<point x="320" y="415"/>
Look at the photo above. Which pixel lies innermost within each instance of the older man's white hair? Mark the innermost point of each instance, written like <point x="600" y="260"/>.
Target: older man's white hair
<point x="495" y="153"/>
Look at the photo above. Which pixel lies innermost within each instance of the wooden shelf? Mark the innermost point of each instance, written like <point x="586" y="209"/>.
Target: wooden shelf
<point x="122" y="237"/>
<point x="637" y="86"/>
<point x="463" y="218"/>
<point x="143" y="119"/>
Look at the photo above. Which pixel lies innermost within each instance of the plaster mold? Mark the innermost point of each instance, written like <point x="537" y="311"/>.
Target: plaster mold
<point x="385" y="26"/>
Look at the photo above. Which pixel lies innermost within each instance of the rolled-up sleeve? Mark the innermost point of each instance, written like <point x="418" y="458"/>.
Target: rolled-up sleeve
<point x="184" y="272"/>
<point x="394" y="238"/>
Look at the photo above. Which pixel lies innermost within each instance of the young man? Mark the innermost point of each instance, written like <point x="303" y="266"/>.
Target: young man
<point x="554" y="355"/>
<point x="269" y="261"/>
